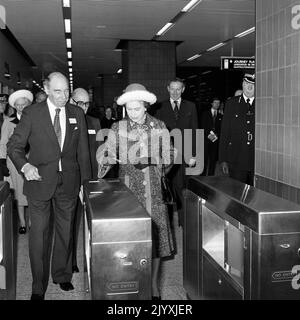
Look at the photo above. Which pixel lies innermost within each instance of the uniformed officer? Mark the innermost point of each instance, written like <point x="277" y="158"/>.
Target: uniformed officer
<point x="236" y="148"/>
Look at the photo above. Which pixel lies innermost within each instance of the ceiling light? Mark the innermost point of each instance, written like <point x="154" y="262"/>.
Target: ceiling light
<point x="69" y="55"/>
<point x="66" y="3"/>
<point x="191" y="5"/>
<point x="67" y="25"/>
<point x="71" y="74"/>
<point x="216" y="46"/>
<point x="244" y="33"/>
<point x="70" y="63"/>
<point x="164" y="29"/>
<point x="194" y="57"/>
<point x="70" y="69"/>
<point x="69" y="43"/>
<point x="206" y="72"/>
<point x="119" y="71"/>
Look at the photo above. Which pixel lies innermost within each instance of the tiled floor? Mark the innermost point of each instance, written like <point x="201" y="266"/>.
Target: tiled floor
<point x="171" y="274"/>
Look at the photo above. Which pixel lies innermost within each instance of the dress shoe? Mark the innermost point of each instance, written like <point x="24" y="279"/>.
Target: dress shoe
<point x="22" y="230"/>
<point x="75" y="269"/>
<point x="156" y="298"/>
<point x="66" y="286"/>
<point x="35" y="296"/>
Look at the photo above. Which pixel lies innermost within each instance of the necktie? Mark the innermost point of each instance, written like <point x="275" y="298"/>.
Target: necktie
<point x="214" y="117"/>
<point x="56" y="125"/>
<point x="249" y="106"/>
<point x="176" y="110"/>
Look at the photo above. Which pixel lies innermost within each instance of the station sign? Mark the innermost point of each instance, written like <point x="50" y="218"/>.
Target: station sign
<point x="234" y="63"/>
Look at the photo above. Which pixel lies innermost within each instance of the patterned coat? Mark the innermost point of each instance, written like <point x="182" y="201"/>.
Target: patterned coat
<point x="128" y="141"/>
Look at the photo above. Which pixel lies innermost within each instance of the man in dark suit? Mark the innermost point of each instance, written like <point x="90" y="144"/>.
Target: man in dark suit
<point x="179" y="114"/>
<point x="236" y="150"/>
<point x="211" y="123"/>
<point x="80" y="97"/>
<point x="58" y="163"/>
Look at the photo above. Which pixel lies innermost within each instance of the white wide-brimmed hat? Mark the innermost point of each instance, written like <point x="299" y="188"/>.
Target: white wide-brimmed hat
<point x="19" y="94"/>
<point x="136" y="92"/>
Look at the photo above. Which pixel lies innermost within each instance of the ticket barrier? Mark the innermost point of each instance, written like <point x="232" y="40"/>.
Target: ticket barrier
<point x="239" y="242"/>
<point x="7" y="246"/>
<point x="118" y="243"/>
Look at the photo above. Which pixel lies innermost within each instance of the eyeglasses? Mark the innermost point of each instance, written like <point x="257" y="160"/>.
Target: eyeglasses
<point x="82" y="104"/>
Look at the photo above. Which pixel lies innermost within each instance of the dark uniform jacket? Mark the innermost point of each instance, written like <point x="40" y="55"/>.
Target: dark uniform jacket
<point x="36" y="128"/>
<point x="93" y="126"/>
<point x="237" y="143"/>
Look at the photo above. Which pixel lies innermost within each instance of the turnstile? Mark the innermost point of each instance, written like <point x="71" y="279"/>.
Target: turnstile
<point x="118" y="244"/>
<point x="239" y="242"/>
<point x="7" y="246"/>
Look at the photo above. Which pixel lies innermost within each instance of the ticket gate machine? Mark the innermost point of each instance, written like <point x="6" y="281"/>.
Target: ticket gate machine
<point x="118" y="244"/>
<point x="7" y="246"/>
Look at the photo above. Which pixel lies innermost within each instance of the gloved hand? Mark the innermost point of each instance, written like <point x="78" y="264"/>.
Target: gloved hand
<point x="144" y="162"/>
<point x="3" y="168"/>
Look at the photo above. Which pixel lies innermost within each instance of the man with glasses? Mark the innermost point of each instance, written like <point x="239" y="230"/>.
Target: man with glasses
<point x="236" y="149"/>
<point x="80" y="97"/>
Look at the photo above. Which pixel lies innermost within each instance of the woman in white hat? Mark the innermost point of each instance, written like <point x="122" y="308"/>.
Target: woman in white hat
<point x="133" y="142"/>
<point x="18" y="100"/>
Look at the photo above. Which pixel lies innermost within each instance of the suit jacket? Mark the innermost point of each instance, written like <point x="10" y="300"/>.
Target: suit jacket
<point x="237" y="134"/>
<point x="208" y="124"/>
<point x="187" y="119"/>
<point x="36" y="129"/>
<point x="93" y="126"/>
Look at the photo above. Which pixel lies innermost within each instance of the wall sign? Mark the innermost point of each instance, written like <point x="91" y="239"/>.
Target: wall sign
<point x="232" y="63"/>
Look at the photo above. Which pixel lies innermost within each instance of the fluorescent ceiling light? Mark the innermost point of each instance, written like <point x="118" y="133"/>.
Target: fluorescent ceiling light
<point x="216" y="46"/>
<point x="164" y="29"/>
<point x="70" y="63"/>
<point x="66" y="3"/>
<point x="205" y="72"/>
<point x="191" y="5"/>
<point x="244" y="33"/>
<point x="70" y="70"/>
<point x="71" y="74"/>
<point x="68" y="25"/>
<point x="69" y="55"/>
<point x="69" y="43"/>
<point x="119" y="71"/>
<point x="194" y="57"/>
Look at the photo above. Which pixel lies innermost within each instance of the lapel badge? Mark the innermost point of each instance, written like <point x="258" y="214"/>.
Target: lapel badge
<point x="72" y="120"/>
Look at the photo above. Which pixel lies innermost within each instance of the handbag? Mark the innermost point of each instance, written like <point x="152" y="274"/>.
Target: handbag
<point x="166" y="189"/>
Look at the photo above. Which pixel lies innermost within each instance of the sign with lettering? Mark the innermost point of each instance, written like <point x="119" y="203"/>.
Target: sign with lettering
<point x="232" y="63"/>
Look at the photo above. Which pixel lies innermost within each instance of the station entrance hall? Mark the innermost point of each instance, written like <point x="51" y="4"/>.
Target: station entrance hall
<point x="149" y="150"/>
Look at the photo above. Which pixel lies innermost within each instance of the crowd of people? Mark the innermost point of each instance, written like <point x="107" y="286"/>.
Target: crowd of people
<point x="50" y="144"/>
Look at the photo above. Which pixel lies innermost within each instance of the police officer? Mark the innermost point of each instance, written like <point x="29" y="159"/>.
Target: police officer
<point x="236" y="148"/>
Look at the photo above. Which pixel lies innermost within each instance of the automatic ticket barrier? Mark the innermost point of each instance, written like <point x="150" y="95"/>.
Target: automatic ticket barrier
<point x="239" y="242"/>
<point x="118" y="244"/>
<point x="7" y="246"/>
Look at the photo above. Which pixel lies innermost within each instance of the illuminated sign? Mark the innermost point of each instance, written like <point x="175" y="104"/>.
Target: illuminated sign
<point x="232" y="63"/>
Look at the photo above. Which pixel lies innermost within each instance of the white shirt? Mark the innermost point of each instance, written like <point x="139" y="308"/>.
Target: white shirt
<point x="251" y="99"/>
<point x="62" y="120"/>
<point x="214" y="112"/>
<point x="173" y="104"/>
